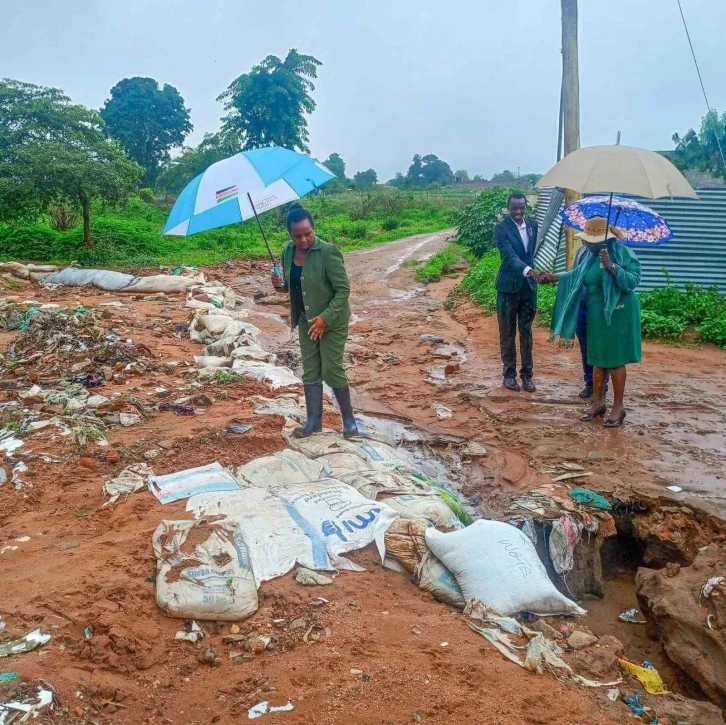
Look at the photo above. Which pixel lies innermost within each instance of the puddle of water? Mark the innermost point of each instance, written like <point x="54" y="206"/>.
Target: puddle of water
<point x="409" y="251"/>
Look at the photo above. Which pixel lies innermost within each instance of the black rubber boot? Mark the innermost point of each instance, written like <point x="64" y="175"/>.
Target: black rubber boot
<point x="314" y="405"/>
<point x="350" y="428"/>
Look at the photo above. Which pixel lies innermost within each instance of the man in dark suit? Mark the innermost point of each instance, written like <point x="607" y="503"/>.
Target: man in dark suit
<point x="516" y="239"/>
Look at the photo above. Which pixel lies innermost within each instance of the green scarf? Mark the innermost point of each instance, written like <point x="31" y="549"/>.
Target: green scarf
<point x="569" y="291"/>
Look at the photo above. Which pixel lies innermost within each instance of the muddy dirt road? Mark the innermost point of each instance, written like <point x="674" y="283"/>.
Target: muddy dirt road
<point x="382" y="657"/>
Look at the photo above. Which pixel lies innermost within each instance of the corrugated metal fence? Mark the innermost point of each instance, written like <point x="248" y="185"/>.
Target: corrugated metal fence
<point x="696" y="254"/>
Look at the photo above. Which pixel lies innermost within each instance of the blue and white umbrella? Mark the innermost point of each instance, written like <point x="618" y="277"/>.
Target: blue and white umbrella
<point x="226" y="192"/>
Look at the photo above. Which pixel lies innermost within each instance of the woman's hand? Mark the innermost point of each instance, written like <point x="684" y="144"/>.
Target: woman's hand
<point x="277" y="281"/>
<point x="317" y="328"/>
<point x="606" y="261"/>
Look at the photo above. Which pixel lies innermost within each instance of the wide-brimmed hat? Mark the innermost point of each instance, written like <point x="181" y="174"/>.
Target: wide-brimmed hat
<point x="594" y="231"/>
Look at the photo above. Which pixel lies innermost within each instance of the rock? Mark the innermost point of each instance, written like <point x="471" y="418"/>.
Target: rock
<point x="257" y="644"/>
<point x="106" y="315"/>
<point x="201" y="399"/>
<point x="166" y="445"/>
<point x="88" y="463"/>
<point x="579" y="640"/>
<point x="672" y="569"/>
<point x="233" y="638"/>
<point x="207" y="656"/>
<point x="311" y="578"/>
<point x="677" y="617"/>
<point x="113" y="456"/>
<point x="451" y="367"/>
<point x="234" y="629"/>
<point x="279" y="623"/>
<point x="299" y="624"/>
<point x="680" y="710"/>
<point x="539" y="625"/>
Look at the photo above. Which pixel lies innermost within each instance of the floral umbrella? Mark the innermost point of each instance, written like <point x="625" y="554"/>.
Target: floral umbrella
<point x="641" y="226"/>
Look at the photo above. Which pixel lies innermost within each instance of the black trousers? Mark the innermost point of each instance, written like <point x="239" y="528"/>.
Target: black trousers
<point x="516" y="311"/>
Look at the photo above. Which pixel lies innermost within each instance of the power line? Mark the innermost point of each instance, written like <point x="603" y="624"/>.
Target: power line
<point x="700" y="78"/>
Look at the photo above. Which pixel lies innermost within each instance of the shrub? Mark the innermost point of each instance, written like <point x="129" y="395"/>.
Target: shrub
<point x="146" y="195"/>
<point x="714" y="330"/>
<point x="440" y="264"/>
<point x="63" y="217"/>
<point x="358" y="230"/>
<point x="479" y="281"/>
<point x="476" y="221"/>
<point x="390" y="224"/>
<point x="28" y="242"/>
<point x="660" y="327"/>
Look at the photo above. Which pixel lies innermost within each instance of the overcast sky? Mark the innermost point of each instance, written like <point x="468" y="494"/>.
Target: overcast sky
<point x="475" y="82"/>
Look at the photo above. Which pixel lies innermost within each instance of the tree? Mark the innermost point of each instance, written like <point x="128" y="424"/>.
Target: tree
<point x="476" y="220"/>
<point x="267" y="106"/>
<point x="702" y="150"/>
<point x="427" y="170"/>
<point x="398" y="181"/>
<point x="461" y="176"/>
<point x="365" y="179"/>
<point x="53" y="150"/>
<point x="504" y="177"/>
<point x="147" y="121"/>
<point x="336" y="165"/>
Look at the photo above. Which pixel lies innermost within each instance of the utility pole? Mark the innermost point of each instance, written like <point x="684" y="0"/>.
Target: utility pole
<point x="570" y="106"/>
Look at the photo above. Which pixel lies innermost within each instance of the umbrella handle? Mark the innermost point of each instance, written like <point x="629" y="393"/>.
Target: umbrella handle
<point x="262" y="231"/>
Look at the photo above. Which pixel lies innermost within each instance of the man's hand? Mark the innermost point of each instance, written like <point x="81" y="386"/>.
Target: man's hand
<point x="277" y="281"/>
<point x="317" y="328"/>
<point x="606" y="261"/>
<point x="537" y="276"/>
<point x="548" y="277"/>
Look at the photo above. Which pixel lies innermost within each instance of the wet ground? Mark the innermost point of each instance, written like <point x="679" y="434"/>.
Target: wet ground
<point x="85" y="566"/>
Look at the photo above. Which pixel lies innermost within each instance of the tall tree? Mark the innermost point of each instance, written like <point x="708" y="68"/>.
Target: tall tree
<point x="53" y="149"/>
<point x="429" y="169"/>
<point x="365" y="179"/>
<point x="148" y="121"/>
<point x="461" y="176"/>
<point x="336" y="165"/>
<point x="504" y="177"/>
<point x="702" y="150"/>
<point x="267" y="106"/>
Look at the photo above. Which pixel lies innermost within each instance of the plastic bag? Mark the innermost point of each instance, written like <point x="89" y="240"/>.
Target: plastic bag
<point x="217" y="582"/>
<point x="497" y="564"/>
<point x="274" y="376"/>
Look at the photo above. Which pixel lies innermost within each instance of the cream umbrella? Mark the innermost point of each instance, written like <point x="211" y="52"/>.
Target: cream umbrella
<point x="618" y="170"/>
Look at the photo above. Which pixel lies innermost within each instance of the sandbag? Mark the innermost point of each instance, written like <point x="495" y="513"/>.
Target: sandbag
<point x="406" y="542"/>
<point x="102" y="278"/>
<point x="345" y="464"/>
<point x="284" y="467"/>
<point x="276" y="537"/>
<point x="338" y="516"/>
<point x="217" y="582"/>
<point x="429" y="508"/>
<point x="16" y="269"/>
<point x="212" y="361"/>
<point x="372" y="483"/>
<point x="498" y="564"/>
<point x="274" y="377"/>
<point x="166" y="283"/>
<point x="253" y="352"/>
<point x="326" y="444"/>
<point x="432" y="576"/>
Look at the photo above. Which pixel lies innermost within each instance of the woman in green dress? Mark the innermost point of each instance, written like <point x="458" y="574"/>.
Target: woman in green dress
<point x="607" y="279"/>
<point x="315" y="276"/>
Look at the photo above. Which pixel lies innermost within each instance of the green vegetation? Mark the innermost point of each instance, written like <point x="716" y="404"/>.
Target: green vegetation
<point x="131" y="235"/>
<point x="667" y="312"/>
<point x="476" y="221"/>
<point x="441" y="263"/>
<point x="702" y="150"/>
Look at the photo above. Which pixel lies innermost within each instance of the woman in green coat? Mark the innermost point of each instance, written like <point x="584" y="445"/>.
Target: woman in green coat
<point x="607" y="279"/>
<point x="315" y="276"/>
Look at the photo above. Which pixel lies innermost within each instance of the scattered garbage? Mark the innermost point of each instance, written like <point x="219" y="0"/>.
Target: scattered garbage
<point x="311" y="578"/>
<point x="711" y="584"/>
<point x="429" y="508"/>
<point x="442" y="412"/>
<point x="20" y="646"/>
<point x="3" y="476"/>
<point x="176" y="408"/>
<point x="239" y="429"/>
<point x="589" y="498"/>
<point x="183" y="484"/>
<point x="212" y="581"/>
<point x="132" y="479"/>
<point x="632" y="616"/>
<point x="613" y="694"/>
<point x="9" y="676"/>
<point x="192" y="632"/>
<point x="497" y="564"/>
<point x="29" y="706"/>
<point x="428" y="337"/>
<point x="675" y="489"/>
<point x="263" y="708"/>
<point x="564" y="536"/>
<point x="647" y="675"/>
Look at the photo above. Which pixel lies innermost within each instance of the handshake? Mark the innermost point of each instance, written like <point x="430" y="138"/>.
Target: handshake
<point x="544" y="277"/>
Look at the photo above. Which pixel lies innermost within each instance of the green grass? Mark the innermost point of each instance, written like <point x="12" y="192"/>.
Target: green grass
<point x="442" y="263"/>
<point x="131" y="236"/>
<point x="667" y="312"/>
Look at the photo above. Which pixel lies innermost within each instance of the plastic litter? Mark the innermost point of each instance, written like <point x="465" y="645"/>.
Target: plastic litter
<point x="204" y="479"/>
<point x="631" y="616"/>
<point x="19" y="646"/>
<point x="262" y="708"/>
<point x="586" y="497"/>
<point x="176" y="408"/>
<point x="217" y="582"/>
<point x="497" y="564"/>
<point x="9" y="676"/>
<point x="442" y="412"/>
<point x="239" y="429"/>
<point x="132" y="479"/>
<point x="711" y="584"/>
<point x="29" y="707"/>
<point x="192" y="632"/>
<point x="309" y="577"/>
<point x="675" y="489"/>
<point x="428" y="337"/>
<point x="648" y="676"/>
<point x="564" y="537"/>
